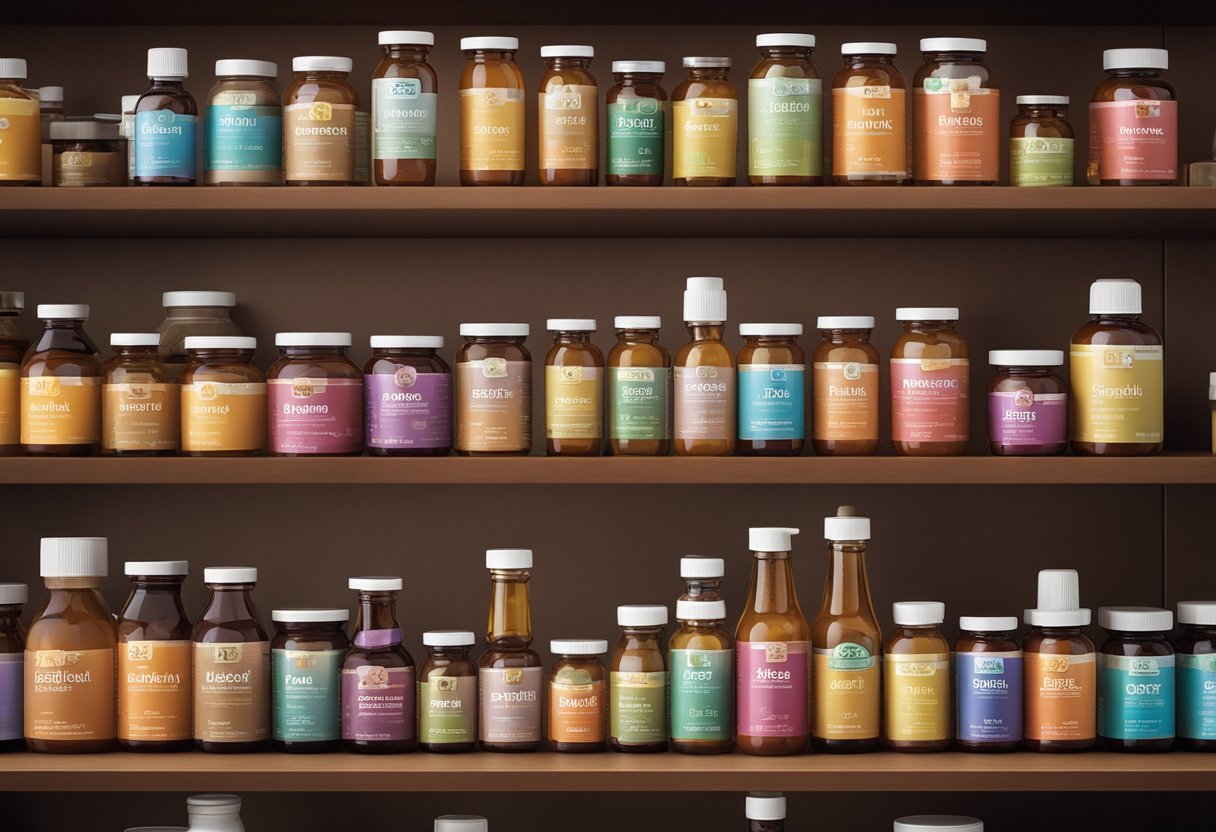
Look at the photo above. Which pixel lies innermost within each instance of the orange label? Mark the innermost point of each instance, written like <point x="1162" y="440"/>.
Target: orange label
<point x="232" y="691"/>
<point x="60" y="411"/>
<point x="569" y="127"/>
<point x="845" y="395"/>
<point x="20" y="141"/>
<point x="492" y="129"/>
<point x="957" y="131"/>
<point x="1061" y="696"/>
<point x="869" y="131"/>
<point x="10" y="404"/>
<point x="154" y="690"/>
<point x="577" y="712"/>
<point x="69" y="694"/>
<point x="140" y="416"/>
<point x="217" y="416"/>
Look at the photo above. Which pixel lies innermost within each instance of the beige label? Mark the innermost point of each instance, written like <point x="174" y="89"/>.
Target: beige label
<point x="1118" y="393"/>
<point x="494" y="405"/>
<point x="845" y="396"/>
<point x="60" y="411"/>
<point x="82" y="169"/>
<point x="69" y="694"/>
<point x="573" y="403"/>
<point x="869" y="132"/>
<point x="154" y="688"/>
<point x="232" y="691"/>
<point x="319" y="142"/>
<point x="492" y="129"/>
<point x="704" y="138"/>
<point x="140" y="416"/>
<point x="10" y="404"/>
<point x="20" y="148"/>
<point x="569" y="127"/>
<point x="223" y="417"/>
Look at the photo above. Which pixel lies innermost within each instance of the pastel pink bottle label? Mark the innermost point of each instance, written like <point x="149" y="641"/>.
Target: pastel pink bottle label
<point x="316" y="415"/>
<point x="1020" y="417"/>
<point x="12" y="695"/>
<point x="929" y="399"/>
<point x="1135" y="139"/>
<point x="773" y="688"/>
<point x="511" y="704"/>
<point x="408" y="409"/>
<point x="377" y="701"/>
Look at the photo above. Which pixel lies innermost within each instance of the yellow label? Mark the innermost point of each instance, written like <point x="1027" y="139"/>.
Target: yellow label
<point x="220" y="417"/>
<point x="20" y="141"/>
<point x="573" y="403"/>
<point x="918" y="697"/>
<point x="492" y="129"/>
<point x="10" y="404"/>
<point x="140" y="416"/>
<point x="706" y="131"/>
<point x="847" y="688"/>
<point x="60" y="411"/>
<point x="569" y="127"/>
<point x="1118" y="393"/>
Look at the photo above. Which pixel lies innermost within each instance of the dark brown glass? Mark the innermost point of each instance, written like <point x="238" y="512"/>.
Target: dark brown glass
<point x="135" y="364"/>
<point x="1126" y="330"/>
<point x="154" y="612"/>
<point x="639" y="650"/>
<point x="1038" y="380"/>
<point x="319" y="636"/>
<point x="478" y="348"/>
<point x="317" y="362"/>
<point x="167" y="94"/>
<point x="318" y="85"/>
<point x="387" y="361"/>
<point x="772" y="349"/>
<point x="595" y="669"/>
<point x="574" y="349"/>
<point x="12" y="640"/>
<point x="508" y="636"/>
<point x="840" y="346"/>
<point x="1124" y="85"/>
<point x="631" y="86"/>
<point x="1195" y="640"/>
<point x="917" y="340"/>
<point x="1058" y="641"/>
<point x="977" y="641"/>
<point x="452" y="661"/>
<point x="786" y="62"/>
<point x="406" y="60"/>
<point x="378" y="611"/>
<point x="232" y="618"/>
<point x="1119" y="643"/>
<point x="63" y="350"/>
<point x="13" y="345"/>
<point x="766" y="826"/>
<point x="559" y="72"/>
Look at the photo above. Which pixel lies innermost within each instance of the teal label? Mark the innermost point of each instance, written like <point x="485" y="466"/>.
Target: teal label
<point x="785" y="126"/>
<point x="1040" y="162"/>
<point x="638" y="403"/>
<point x="165" y="144"/>
<point x="1197" y="696"/>
<point x="772" y="401"/>
<point x="849" y="655"/>
<point x="405" y="119"/>
<point x="636" y="131"/>
<point x="241" y="135"/>
<point x="702" y="694"/>
<point x="1136" y="697"/>
<point x="639" y="706"/>
<point x="306" y="694"/>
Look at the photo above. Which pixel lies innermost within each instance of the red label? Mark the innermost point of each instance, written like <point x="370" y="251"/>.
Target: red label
<point x="929" y="399"/>
<point x="1135" y="139"/>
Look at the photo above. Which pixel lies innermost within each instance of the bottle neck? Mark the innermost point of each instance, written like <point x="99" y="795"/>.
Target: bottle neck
<point x="705" y="330"/>
<point x="638" y="336"/>
<point x="482" y="56"/>
<point x="1134" y="72"/>
<point x="167" y="84"/>
<point x="210" y="312"/>
<point x="846" y="336"/>
<point x="449" y="653"/>
<point x="773" y="584"/>
<point x="323" y="75"/>
<point x="1112" y="318"/>
<point x="1138" y="635"/>
<point x="65" y="324"/>
<point x="702" y="589"/>
<point x="633" y="79"/>
<point x="143" y="353"/>
<point x="954" y="57"/>
<point x="1041" y="111"/>
<point x="847" y="591"/>
<point x="510" y="620"/>
<point x="858" y="61"/>
<point x="403" y="352"/>
<point x="407" y="52"/>
<point x="377" y="625"/>
<point x="928" y="326"/>
<point x="567" y="62"/>
<point x="209" y="356"/>
<point x="708" y="73"/>
<point x="572" y="338"/>
<point x="1059" y="632"/>
<point x="314" y="352"/>
<point x="230" y="603"/>
<point x="789" y="53"/>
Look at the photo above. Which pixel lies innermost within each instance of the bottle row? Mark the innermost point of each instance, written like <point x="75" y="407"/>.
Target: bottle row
<point x="202" y="395"/>
<point x="82" y="680"/>
<point x="318" y="132"/>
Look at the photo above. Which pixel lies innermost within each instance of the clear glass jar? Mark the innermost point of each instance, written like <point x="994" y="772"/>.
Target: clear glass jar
<point x="315" y="395"/>
<point x="493" y="391"/>
<point x="12" y="667"/>
<point x="140" y="406"/>
<point x="21" y="154"/>
<point x="193" y="313"/>
<point x="930" y="383"/>
<point x="87" y="153"/>
<point x="785" y="113"/>
<point x="306" y="657"/>
<point x="319" y="131"/>
<point x="574" y="390"/>
<point x="409" y="397"/>
<point x="1027" y="403"/>
<point x="447" y="693"/>
<point x="638" y="112"/>
<point x="61" y="376"/>
<point x="243" y="135"/>
<point x="491" y="113"/>
<point x="771" y="369"/>
<point x="869" y="117"/>
<point x="405" y="110"/>
<point x="13" y="345"/>
<point x="1041" y="143"/>
<point x="578" y="696"/>
<point x="1133" y="121"/>
<point x="956" y="113"/>
<point x="846" y="369"/>
<point x="568" y="135"/>
<point x="223" y="398"/>
<point x="705" y="125"/>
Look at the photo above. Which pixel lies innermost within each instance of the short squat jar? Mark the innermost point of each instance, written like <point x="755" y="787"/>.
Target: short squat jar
<point x="1136" y="709"/>
<point x="988" y="677"/>
<point x="140" y="406"/>
<point x="408" y="396"/>
<point x="447" y="693"/>
<point x="574" y="390"/>
<point x="306" y="677"/>
<point x="1041" y="143"/>
<point x="87" y="154"/>
<point x="316" y="396"/>
<point x="319" y="122"/>
<point x="578" y="696"/>
<point x="1027" y="403"/>
<point x="930" y="384"/>
<point x="223" y="398"/>
<point x="243" y="136"/>
<point x="493" y="391"/>
<point x="772" y="390"/>
<point x="1195" y="649"/>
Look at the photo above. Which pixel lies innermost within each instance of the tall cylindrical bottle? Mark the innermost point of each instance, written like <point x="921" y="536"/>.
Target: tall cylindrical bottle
<point x="701" y="663"/>
<point x="1060" y="668"/>
<point x="705" y="384"/>
<point x="511" y="678"/>
<point x="378" y="690"/>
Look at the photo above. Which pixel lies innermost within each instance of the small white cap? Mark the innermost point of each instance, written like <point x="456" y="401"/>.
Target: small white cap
<point x="134" y="339"/>
<point x="1136" y="59"/>
<point x="786" y="39"/>
<point x="868" y="47"/>
<point x="696" y="567"/>
<point x="846" y="525"/>
<point x="1059" y="601"/>
<point x="578" y="647"/>
<point x="317" y="616"/>
<point x="567" y="51"/>
<point x="14" y="593"/>
<point x="926" y="313"/>
<point x="705" y="62"/>
<point x="570" y="325"/>
<point x="212" y="804"/>
<point x="1135" y="619"/>
<point x="63" y="311"/>
<point x="321" y="63"/>
<point x="689" y="610"/>
<point x="1115" y="296"/>
<point x="50" y="95"/>
<point x="508" y="558"/>
<point x="375" y="583"/>
<point x="845" y="322"/>
<point x="765" y="806"/>
<point x="406" y="342"/>
<point x="230" y="575"/>
<point x="1058" y="100"/>
<point x="927" y="823"/>
<point x="493" y="44"/>
<point x="495" y="330"/>
<point x="988" y="623"/>
<point x="246" y="66"/>
<point x="14" y="68"/>
<point x="75" y="557"/>
<point x="168" y="62"/>
<point x="770" y="539"/>
<point x="637" y="322"/>
<point x="770" y="329"/>
<point x="220" y="342"/>
<point x="312" y="339"/>
<point x="406" y="38"/>
<point x="128" y="106"/>
<point x="449" y="638"/>
<point x="1202" y="613"/>
<point x="641" y="615"/>
<point x="953" y="45"/>
<point x="172" y="300"/>
<point x="1026" y="358"/>
<point x="705" y="300"/>
<point x="461" y="823"/>
<point x="653" y="67"/>
<point x="157" y="568"/>
<point x="1211" y="385"/>
<point x="918" y="613"/>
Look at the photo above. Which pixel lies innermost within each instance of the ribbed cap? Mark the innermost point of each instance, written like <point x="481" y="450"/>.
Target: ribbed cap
<point x="953" y="45"/>
<point x="213" y="804"/>
<point x="168" y="62"/>
<point x="926" y="313"/>
<point x="449" y="638"/>
<point x="494" y="330"/>
<point x="652" y="67"/>
<point x="765" y="806"/>
<point x="1136" y="59"/>
<point x="491" y="43"/>
<point x="637" y="322"/>
<point x="406" y="342"/>
<point x="688" y="610"/>
<point x="14" y="68"/>
<point x="157" y="568"/>
<point x="134" y="339"/>
<point x="846" y="525"/>
<point x="927" y="823"/>
<point x="845" y="322"/>
<point x="788" y="330"/>
<point x="75" y="557"/>
<point x="230" y="575"/>
<point x="508" y="558"/>
<point x="171" y="300"/>
<point x="918" y="613"/>
<point x="1115" y="296"/>
<point x="641" y="615"/>
<point x="707" y="62"/>
<point x="567" y="51"/>
<point x="246" y="67"/>
<point x="578" y="647"/>
<point x="63" y="311"/>
<point x="50" y="95"/>
<point x="1056" y="100"/>
<point x="770" y="539"/>
<point x="868" y="48"/>
<point x="1202" y="613"/>
<point x="219" y="342"/>
<point x="570" y="324"/>
<point x="321" y="63"/>
<point x="1059" y="601"/>
<point x="705" y="300"/>
<point x="461" y="823"/>
<point x="786" y="39"/>
<point x="697" y="567"/>
<point x="375" y="583"/>
<point x="988" y="623"/>
<point x="14" y="593"/>
<point x="1135" y="619"/>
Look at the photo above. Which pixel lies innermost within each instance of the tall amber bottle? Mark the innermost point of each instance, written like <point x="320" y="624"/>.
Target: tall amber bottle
<point x="491" y="113"/>
<point x="705" y="414"/>
<point x="568" y="108"/>
<point x="61" y="386"/>
<point x="405" y="110"/>
<point x="1059" y="668"/>
<point x="511" y="677"/>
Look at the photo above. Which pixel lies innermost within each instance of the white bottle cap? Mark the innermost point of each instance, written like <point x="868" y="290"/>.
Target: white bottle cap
<point x="704" y="62"/>
<point x="705" y="300"/>
<point x="63" y="311"/>
<point x="918" y="613"/>
<point x="321" y="63"/>
<point x="1058" y="100"/>
<point x="570" y="325"/>
<point x="406" y="38"/>
<point x="641" y="615"/>
<point x="770" y="329"/>
<point x="312" y="339"/>
<point x="461" y="823"/>
<point x="14" y="593"/>
<point x="868" y="48"/>
<point x="846" y="525"/>
<point x="1211" y="386"/>
<point x="765" y="806"/>
<point x="508" y="558"/>
<point x="770" y="539"/>
<point x="1136" y="59"/>
<point x="213" y="804"/>
<point x="567" y="51"/>
<point x="375" y="583"/>
<point x="988" y="623"/>
<point x="786" y="39"/>
<point x="134" y="339"/>
<point x="1135" y="619"/>
<point x="926" y="823"/>
<point x="220" y="342"/>
<point x="449" y="638"/>
<point x="245" y="66"/>
<point x="495" y="330"/>
<point x="492" y="44"/>
<point x="845" y="322"/>
<point x="173" y="300"/>
<point x="1059" y="601"/>
<point x="14" y="69"/>
<point x="50" y="95"/>
<point x="1115" y="296"/>
<point x="698" y="567"/>
<point x="1202" y="613"/>
<point x="637" y="322"/>
<point x="653" y="67"/>
<point x="311" y="616"/>
<point x="128" y="106"/>
<point x="169" y="63"/>
<point x="926" y="313"/>
<point x="953" y="45"/>
<point x="230" y="575"/>
<point x="75" y="557"/>
<point x="578" y="647"/>
<point x="1026" y="358"/>
<point x="690" y="610"/>
<point x="157" y="568"/>
<point x="406" y="342"/>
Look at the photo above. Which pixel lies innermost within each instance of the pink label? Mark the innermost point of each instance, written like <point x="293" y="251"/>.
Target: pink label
<point x="1135" y="139"/>
<point x="377" y="702"/>
<point x="774" y="688"/>
<point x="316" y="415"/>
<point x="705" y="403"/>
<point x="510" y="704"/>
<point x="929" y="399"/>
<point x="1019" y="417"/>
<point x="408" y="409"/>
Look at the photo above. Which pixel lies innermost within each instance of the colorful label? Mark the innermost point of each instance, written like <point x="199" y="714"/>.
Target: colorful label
<point x="69" y="694"/>
<point x="773" y="688"/>
<point x="705" y="402"/>
<point x="639" y="706"/>
<point x="845" y="400"/>
<point x="492" y="129"/>
<point x="1061" y="693"/>
<point x="576" y="707"/>
<point x="305" y="694"/>
<point x="319" y="142"/>
<point x="447" y="708"/>
<point x="140" y="416"/>
<point x="232" y="691"/>
<point x="848" y="695"/>
<point x="772" y="401"/>
<point x="704" y="138"/>
<point x="573" y="403"/>
<point x="165" y="144"/>
<point x="639" y="403"/>
<point x="702" y="695"/>
<point x="155" y="686"/>
<point x="241" y="134"/>
<point x="378" y="703"/>
<point x="494" y="405"/>
<point x="785" y="126"/>
<point x="918" y="697"/>
<point x="405" y="120"/>
<point x="20" y="140"/>
<point x="12" y="695"/>
<point x="316" y="415"/>
<point x="637" y="130"/>
<point x="869" y="132"/>
<point x="958" y="132"/>
<point x="10" y="404"/>
<point x="1135" y="139"/>
<point x="511" y="704"/>
<point x="1022" y="417"/>
<point x="408" y="409"/>
<point x="1118" y="393"/>
<point x="569" y="127"/>
<point x="60" y="411"/>
<point x="989" y="697"/>
<point x="1196" y="696"/>
<point x="929" y="399"/>
<point x="1136" y="697"/>
<point x="78" y="168"/>
<point x="218" y="416"/>
<point x="1040" y="162"/>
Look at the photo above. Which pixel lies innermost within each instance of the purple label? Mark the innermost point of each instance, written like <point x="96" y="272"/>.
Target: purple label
<point x="316" y="415"/>
<point x="510" y="703"/>
<point x="12" y="696"/>
<point x="989" y="697"/>
<point x="773" y="688"/>
<point x="1020" y="417"/>
<point x="409" y="409"/>
<point x="377" y="702"/>
<point x="378" y="638"/>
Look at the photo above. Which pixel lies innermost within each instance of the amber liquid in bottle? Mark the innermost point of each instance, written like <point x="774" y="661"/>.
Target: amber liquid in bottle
<point x="154" y="613"/>
<point x="927" y="341"/>
<point x="706" y="349"/>
<point x="918" y="641"/>
<point x="508" y="636"/>
<point x="64" y="350"/>
<point x="700" y="635"/>
<point x="232" y="618"/>
<point x="706" y="82"/>
<point x="639" y="650"/>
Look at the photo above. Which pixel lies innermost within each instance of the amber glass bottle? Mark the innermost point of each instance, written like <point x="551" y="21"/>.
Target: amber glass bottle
<point x="1059" y="668"/>
<point x="636" y="133"/>
<point x="845" y="371"/>
<point x="771" y="372"/>
<point x="511" y="678"/>
<point x="568" y="107"/>
<point x="166" y="123"/>
<point x="493" y="384"/>
<point x="491" y="113"/>
<point x="705" y="385"/>
<point x="639" y="389"/>
<point x="785" y="113"/>
<point x="701" y="654"/>
<point x="930" y="382"/>
<point x="574" y="390"/>
<point x="918" y="690"/>
<point x="447" y="693"/>
<point x="956" y="114"/>
<point x="61" y="386"/>
<point x="13" y="344"/>
<point x="578" y="696"/>
<point x="405" y="110"/>
<point x="638" y="687"/>
<point x="319" y="132"/>
<point x="989" y="684"/>
<point x="141" y="407"/>
<point x="378" y="687"/>
<point x="869" y="117"/>
<point x="12" y="666"/>
<point x="1041" y="143"/>
<point x="1136" y="673"/>
<point x="223" y="397"/>
<point x="705" y="125"/>
<point x="1133" y="121"/>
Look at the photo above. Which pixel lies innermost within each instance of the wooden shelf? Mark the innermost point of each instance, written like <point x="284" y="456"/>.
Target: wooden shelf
<point x="608" y="212"/>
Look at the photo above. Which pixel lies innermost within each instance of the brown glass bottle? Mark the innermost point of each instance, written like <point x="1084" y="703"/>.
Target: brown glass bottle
<point x="13" y="345"/>
<point x="869" y="118"/>
<point x="377" y="662"/>
<point x="845" y="371"/>
<point x="12" y="666"/>
<point x="918" y="692"/>
<point x="638" y="700"/>
<point x="491" y="113"/>
<point x="705" y="395"/>
<point x="574" y="390"/>
<point x="319" y="123"/>
<point x="785" y="113"/>
<point x="568" y="132"/>
<point x="398" y="423"/>
<point x="956" y="103"/>
<point x="223" y="397"/>
<point x="1136" y="711"/>
<point x="705" y="125"/>
<point x="578" y="697"/>
<point x="315" y="395"/>
<point x="988" y="706"/>
<point x="1057" y="656"/>
<point x="1195" y="648"/>
<point x="493" y="391"/>
<point x="772" y="410"/>
<point x="447" y="693"/>
<point x="1056" y="641"/>
<point x="168" y="158"/>
<point x="636" y="133"/>
<point x="1041" y="143"/>
<point x="1027" y="403"/>
<point x="405" y="99"/>
<point x="639" y="389"/>
<point x="306" y="712"/>
<point x="701" y="654"/>
<point x="511" y="680"/>
<point x="1135" y="96"/>
<point x="140" y="405"/>
<point x="930" y="368"/>
<point x="61" y="374"/>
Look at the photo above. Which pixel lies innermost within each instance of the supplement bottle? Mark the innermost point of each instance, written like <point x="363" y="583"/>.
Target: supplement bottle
<point x="704" y="400"/>
<point x="772" y="390"/>
<point x="231" y="666"/>
<point x="988" y="673"/>
<point x="491" y="113"/>
<point x="13" y="345"/>
<point x="773" y="641"/>
<point x="705" y="125"/>
<point x="702" y="659"/>
<point x="408" y="396"/>
<point x="1117" y="372"/>
<point x="702" y="578"/>
<point x="192" y="313"/>
<point x="166" y="123"/>
<point x="845" y="370"/>
<point x="918" y="679"/>
<point x="637" y="125"/>
<point x="956" y="112"/>
<point x="127" y="131"/>
<point x="140" y="406"/>
<point x="785" y="113"/>
<point x="214" y="813"/>
<point x="1041" y="143"/>
<point x="568" y="107"/>
<point x="869" y="117"/>
<point x="765" y="812"/>
<point x="21" y="153"/>
<point x="574" y="390"/>
<point x="638" y="707"/>
<point x="315" y="395"/>
<point x="1027" y="403"/>
<point x="70" y="652"/>
<point x="1133" y="121"/>
<point x="847" y="641"/>
<point x="447" y="693"/>
<point x="223" y="398"/>
<point x="243" y="140"/>
<point x="578" y="697"/>
<point x="1060" y="668"/>
<point x="1195" y="645"/>
<point x="493" y="391"/>
<point x="86" y="153"/>
<point x="306" y="667"/>
<point x="1136" y="679"/>
<point x="12" y="667"/>
<point x="405" y="110"/>
<point x="319" y="132"/>
<point x="929" y="384"/>
<point x="378" y="688"/>
<point x="61" y="386"/>
<point x="511" y="677"/>
<point x="155" y="660"/>
<point x="639" y="389"/>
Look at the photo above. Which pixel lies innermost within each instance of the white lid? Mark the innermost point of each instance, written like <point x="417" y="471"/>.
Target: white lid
<point x="641" y="615"/>
<point x="765" y="806"/>
<point x="578" y="647"/>
<point x="321" y="63"/>
<point x="213" y="804"/>
<point x="461" y="823"/>
<point x="1026" y="358"/>
<point x="495" y="330"/>
<point x="168" y="62"/>
<point x="567" y="51"/>
<point x="785" y="39"/>
<point x="402" y="37"/>
<point x="1135" y="619"/>
<point x="697" y="567"/>
<point x="230" y="575"/>
<point x="705" y="300"/>
<point x="845" y="322"/>
<point x="246" y="66"/>
<point x="14" y="68"/>
<point x="449" y="638"/>
<point x="922" y="823"/>
<point x="375" y="583"/>
<point x="770" y="329"/>
<point x="494" y="44"/>
<point x="75" y="557"/>
<point x="317" y="616"/>
<point x="639" y="322"/>
<point x="220" y="342"/>
<point x="63" y="311"/>
<point x="1043" y="99"/>
<point x="1115" y="296"/>
<point x="1211" y="384"/>
<point x="312" y="339"/>
<point x="706" y="62"/>
<point x="868" y="47"/>
<point x="918" y="613"/>
<point x="988" y="623"/>
<point x="926" y="313"/>
<point x="406" y="342"/>
<point x="50" y="95"/>
<point x="770" y="539"/>
<point x="1059" y="601"/>
<point x="171" y="300"/>
<point x="1135" y="59"/>
<point x="655" y="67"/>
<point x="1202" y="613"/>
<point x="134" y="339"/>
<point x="846" y="525"/>
<point x="128" y="106"/>
<point x="953" y="45"/>
<point x="14" y="593"/>
<point x="157" y="568"/>
<point x="690" y="610"/>
<point x="570" y="325"/>
<point x="508" y="558"/>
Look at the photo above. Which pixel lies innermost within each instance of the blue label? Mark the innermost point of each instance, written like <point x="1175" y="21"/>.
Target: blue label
<point x="1136" y="697"/>
<point x="243" y="137"/>
<point x="989" y="696"/>
<point x="1197" y="696"/>
<point x="772" y="403"/>
<point x="165" y="144"/>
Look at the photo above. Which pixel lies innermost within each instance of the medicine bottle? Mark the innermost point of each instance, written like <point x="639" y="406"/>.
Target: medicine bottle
<point x="1136" y="679"/>
<point x="772" y="390"/>
<point x="956" y="113"/>
<point x="1133" y="121"/>
<point x="1027" y="403"/>
<point x="636" y="135"/>
<point x="223" y="398"/>
<point x="702" y="658"/>
<point x="155" y="660"/>
<point x="918" y="689"/>
<point x="192" y="313"/>
<point x="705" y="124"/>
<point x="785" y="113"/>
<point x="405" y="110"/>
<point x="315" y="396"/>
<point x="231" y="666"/>
<point x="930" y="369"/>
<point x="61" y="386"/>
<point x="69" y="705"/>
<point x="1041" y="143"/>
<point x="378" y="688"/>
<point x="574" y="390"/>
<point x="988" y="675"/>
<point x="869" y="117"/>
<point x="493" y="391"/>
<point x="568" y="107"/>
<point x="306" y="667"/>
<point x="87" y="153"/>
<point x="705" y="387"/>
<point x="578" y="696"/>
<point x="1195" y="646"/>
<point x="13" y="346"/>
<point x="702" y="578"/>
<point x="166" y="123"/>
<point x="511" y="675"/>
<point x="12" y="667"/>
<point x="765" y="812"/>
<point x="1060" y="668"/>
<point x="491" y="113"/>
<point x="243" y="139"/>
<point x="938" y="823"/>
<point x="408" y="396"/>
<point x="127" y="130"/>
<point x="639" y="389"/>
<point x="140" y="406"/>
<point x="214" y="813"/>
<point x="845" y="369"/>
<point x="319" y="132"/>
<point x="447" y="693"/>
<point x="21" y="153"/>
<point x="50" y="108"/>
<point x="638" y="689"/>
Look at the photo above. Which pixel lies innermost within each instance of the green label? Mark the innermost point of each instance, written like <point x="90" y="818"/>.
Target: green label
<point x="849" y="655"/>
<point x="306" y="694"/>
<point x="785" y="125"/>
<point x="1041" y="162"/>
<point x="405" y="119"/>
<point x="639" y="707"/>
<point x="447" y="708"/>
<point x="636" y="131"/>
<point x="702" y="694"/>
<point x="1197" y="696"/>
<point x="638" y="403"/>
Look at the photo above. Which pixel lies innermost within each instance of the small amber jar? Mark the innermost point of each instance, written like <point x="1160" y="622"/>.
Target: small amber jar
<point x="493" y="391"/>
<point x="1041" y="143"/>
<point x="447" y="693"/>
<point x="636" y="134"/>
<point x="989" y="684"/>
<point x="1133" y="121"/>
<point x="405" y="110"/>
<point x="1027" y="403"/>
<point x="578" y="696"/>
<point x="409" y="397"/>
<point x="785" y="113"/>
<point x="918" y="691"/>
<point x="639" y="389"/>
<point x="638" y="700"/>
<point x="869" y="117"/>
<point x="306" y="656"/>
<point x="12" y="659"/>
<point x="956" y="114"/>
<point x="1136" y="667"/>
<point x="1195" y="652"/>
<point x="319" y="133"/>
<point x="568" y="107"/>
<point x="315" y="395"/>
<point x="223" y="398"/>
<point x="845" y="371"/>
<point x="243" y="137"/>
<point x="491" y="113"/>
<point x="61" y="386"/>
<point x="771" y="368"/>
<point x="140" y="404"/>
<point x="87" y="154"/>
<point x="705" y="125"/>
<point x="574" y="390"/>
<point x="930" y="367"/>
